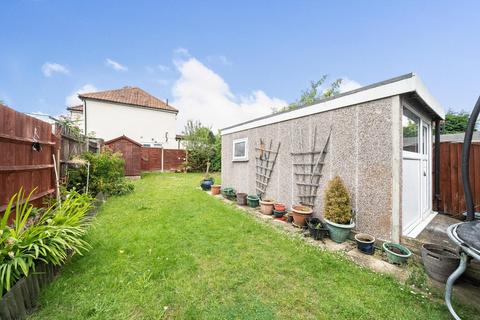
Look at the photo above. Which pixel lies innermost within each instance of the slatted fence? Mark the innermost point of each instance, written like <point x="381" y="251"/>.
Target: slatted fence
<point x="20" y="164"/>
<point x="452" y="199"/>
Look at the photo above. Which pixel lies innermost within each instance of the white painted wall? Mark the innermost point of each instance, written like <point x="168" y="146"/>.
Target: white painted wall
<point x="110" y="120"/>
<point x="77" y="117"/>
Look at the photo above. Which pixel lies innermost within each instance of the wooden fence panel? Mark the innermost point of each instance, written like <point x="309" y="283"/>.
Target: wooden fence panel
<point x="151" y="159"/>
<point x="20" y="164"/>
<point x="173" y="159"/>
<point x="452" y="197"/>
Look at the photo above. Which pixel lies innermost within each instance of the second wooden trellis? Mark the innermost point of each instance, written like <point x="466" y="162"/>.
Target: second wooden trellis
<point x="308" y="166"/>
<point x="265" y="162"/>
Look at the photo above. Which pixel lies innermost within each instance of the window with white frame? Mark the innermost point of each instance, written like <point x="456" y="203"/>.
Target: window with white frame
<point x="240" y="149"/>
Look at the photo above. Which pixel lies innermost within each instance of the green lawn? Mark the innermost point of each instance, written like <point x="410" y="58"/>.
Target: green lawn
<point x="171" y="251"/>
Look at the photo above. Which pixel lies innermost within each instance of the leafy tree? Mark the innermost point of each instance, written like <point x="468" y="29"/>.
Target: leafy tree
<point x="202" y="146"/>
<point x="313" y="94"/>
<point x="216" y="163"/>
<point x="455" y="122"/>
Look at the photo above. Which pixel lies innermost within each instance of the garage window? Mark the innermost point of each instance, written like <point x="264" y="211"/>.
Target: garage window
<point x="240" y="149"/>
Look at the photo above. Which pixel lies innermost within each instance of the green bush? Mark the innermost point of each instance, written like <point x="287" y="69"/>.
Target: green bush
<point x="45" y="237"/>
<point x="337" y="207"/>
<point x="203" y="146"/>
<point x="107" y="171"/>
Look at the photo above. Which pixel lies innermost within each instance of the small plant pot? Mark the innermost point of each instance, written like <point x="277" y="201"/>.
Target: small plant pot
<point x="241" y="198"/>
<point x="279" y="207"/>
<point x="229" y="193"/>
<point x="215" y="188"/>
<point x="266" y="206"/>
<point x="253" y="201"/>
<point x="278" y="214"/>
<point x="396" y="253"/>
<point x="289" y="217"/>
<point x="339" y="232"/>
<point x="316" y="228"/>
<point x="299" y="213"/>
<point x="439" y="261"/>
<point x="365" y="243"/>
<point x="206" y="184"/>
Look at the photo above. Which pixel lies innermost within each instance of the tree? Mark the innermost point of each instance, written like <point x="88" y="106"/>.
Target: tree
<point x="455" y="122"/>
<point x="313" y="94"/>
<point x="200" y="144"/>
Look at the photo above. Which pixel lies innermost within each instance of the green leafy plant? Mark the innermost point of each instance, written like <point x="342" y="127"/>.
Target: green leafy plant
<point x="107" y="171"/>
<point x="337" y="207"/>
<point x="313" y="94"/>
<point x="48" y="236"/>
<point x="202" y="146"/>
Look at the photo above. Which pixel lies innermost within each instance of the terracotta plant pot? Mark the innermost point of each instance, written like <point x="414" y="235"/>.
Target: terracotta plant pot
<point x="279" y="206"/>
<point x="241" y="198"/>
<point x="299" y="213"/>
<point x="216" y="189"/>
<point x="266" y="206"/>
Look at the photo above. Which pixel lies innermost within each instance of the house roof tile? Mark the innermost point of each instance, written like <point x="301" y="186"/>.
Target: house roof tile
<point x="130" y="95"/>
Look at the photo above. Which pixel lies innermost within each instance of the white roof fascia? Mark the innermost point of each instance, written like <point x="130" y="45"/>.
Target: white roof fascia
<point x="411" y="84"/>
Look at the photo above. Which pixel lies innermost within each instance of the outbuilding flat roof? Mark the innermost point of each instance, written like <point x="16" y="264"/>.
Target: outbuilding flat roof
<point x="408" y="83"/>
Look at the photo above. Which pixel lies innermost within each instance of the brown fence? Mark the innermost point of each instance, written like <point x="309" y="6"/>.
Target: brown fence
<point x="151" y="159"/>
<point x="173" y="159"/>
<point x="156" y="159"/>
<point x="20" y="164"/>
<point x="452" y="199"/>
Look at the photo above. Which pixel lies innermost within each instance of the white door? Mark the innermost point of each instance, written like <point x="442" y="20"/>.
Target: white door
<point x="416" y="177"/>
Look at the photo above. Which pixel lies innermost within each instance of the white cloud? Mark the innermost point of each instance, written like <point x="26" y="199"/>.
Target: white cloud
<point x="49" y="68"/>
<point x="220" y="59"/>
<point x="115" y="65"/>
<point x="182" y="52"/>
<point x="349" y="85"/>
<point x="203" y="95"/>
<point x="73" y="100"/>
<point x="163" y="68"/>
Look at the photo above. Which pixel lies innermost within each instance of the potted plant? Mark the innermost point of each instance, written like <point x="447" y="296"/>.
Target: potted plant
<point x="266" y="206"/>
<point x="299" y="213"/>
<point x="252" y="201"/>
<point x="365" y="243"/>
<point x="279" y="207"/>
<point x="396" y="253"/>
<point x="241" y="198"/>
<point x="317" y="230"/>
<point x="207" y="182"/>
<point x="215" y="189"/>
<point x="229" y="193"/>
<point x="338" y="211"/>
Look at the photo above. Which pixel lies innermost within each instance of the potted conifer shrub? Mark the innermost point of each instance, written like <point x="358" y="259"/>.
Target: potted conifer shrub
<point x="338" y="210"/>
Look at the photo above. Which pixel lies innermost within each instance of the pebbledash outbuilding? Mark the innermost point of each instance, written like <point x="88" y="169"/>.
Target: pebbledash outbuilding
<point x="377" y="138"/>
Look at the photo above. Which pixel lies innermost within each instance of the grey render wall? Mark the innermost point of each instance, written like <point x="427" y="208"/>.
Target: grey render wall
<point x="360" y="152"/>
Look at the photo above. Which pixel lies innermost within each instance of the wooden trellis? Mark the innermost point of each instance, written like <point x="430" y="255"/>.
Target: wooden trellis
<point x="307" y="167"/>
<point x="265" y="162"/>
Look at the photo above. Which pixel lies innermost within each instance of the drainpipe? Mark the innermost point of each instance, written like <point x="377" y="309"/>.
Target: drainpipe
<point x="437" y="164"/>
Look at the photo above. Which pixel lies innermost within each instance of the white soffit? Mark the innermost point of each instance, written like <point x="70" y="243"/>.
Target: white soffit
<point x="405" y="84"/>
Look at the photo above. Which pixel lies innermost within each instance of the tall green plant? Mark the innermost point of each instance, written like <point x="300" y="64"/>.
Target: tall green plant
<point x="46" y="237"/>
<point x="107" y="171"/>
<point x="202" y="146"/>
<point x="337" y="207"/>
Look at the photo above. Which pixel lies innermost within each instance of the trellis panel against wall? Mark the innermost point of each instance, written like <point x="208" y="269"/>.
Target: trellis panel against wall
<point x="20" y="165"/>
<point x="452" y="197"/>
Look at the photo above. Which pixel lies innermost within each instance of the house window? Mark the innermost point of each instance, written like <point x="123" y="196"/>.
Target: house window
<point x="411" y="129"/>
<point x="240" y="150"/>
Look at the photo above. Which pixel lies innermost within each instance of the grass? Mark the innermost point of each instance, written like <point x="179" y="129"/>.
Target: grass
<point x="171" y="251"/>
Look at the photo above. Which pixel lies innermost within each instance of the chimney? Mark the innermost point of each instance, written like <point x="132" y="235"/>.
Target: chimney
<point x="167" y="102"/>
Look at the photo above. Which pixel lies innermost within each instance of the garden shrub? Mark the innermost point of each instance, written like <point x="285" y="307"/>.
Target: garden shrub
<point x="107" y="171"/>
<point x="40" y="235"/>
<point x="337" y="207"/>
<point x="203" y="147"/>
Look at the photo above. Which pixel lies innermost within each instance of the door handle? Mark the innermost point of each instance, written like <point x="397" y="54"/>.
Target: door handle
<point x="424" y="174"/>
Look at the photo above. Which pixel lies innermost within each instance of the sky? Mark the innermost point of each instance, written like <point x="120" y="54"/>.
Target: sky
<point x="222" y="62"/>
